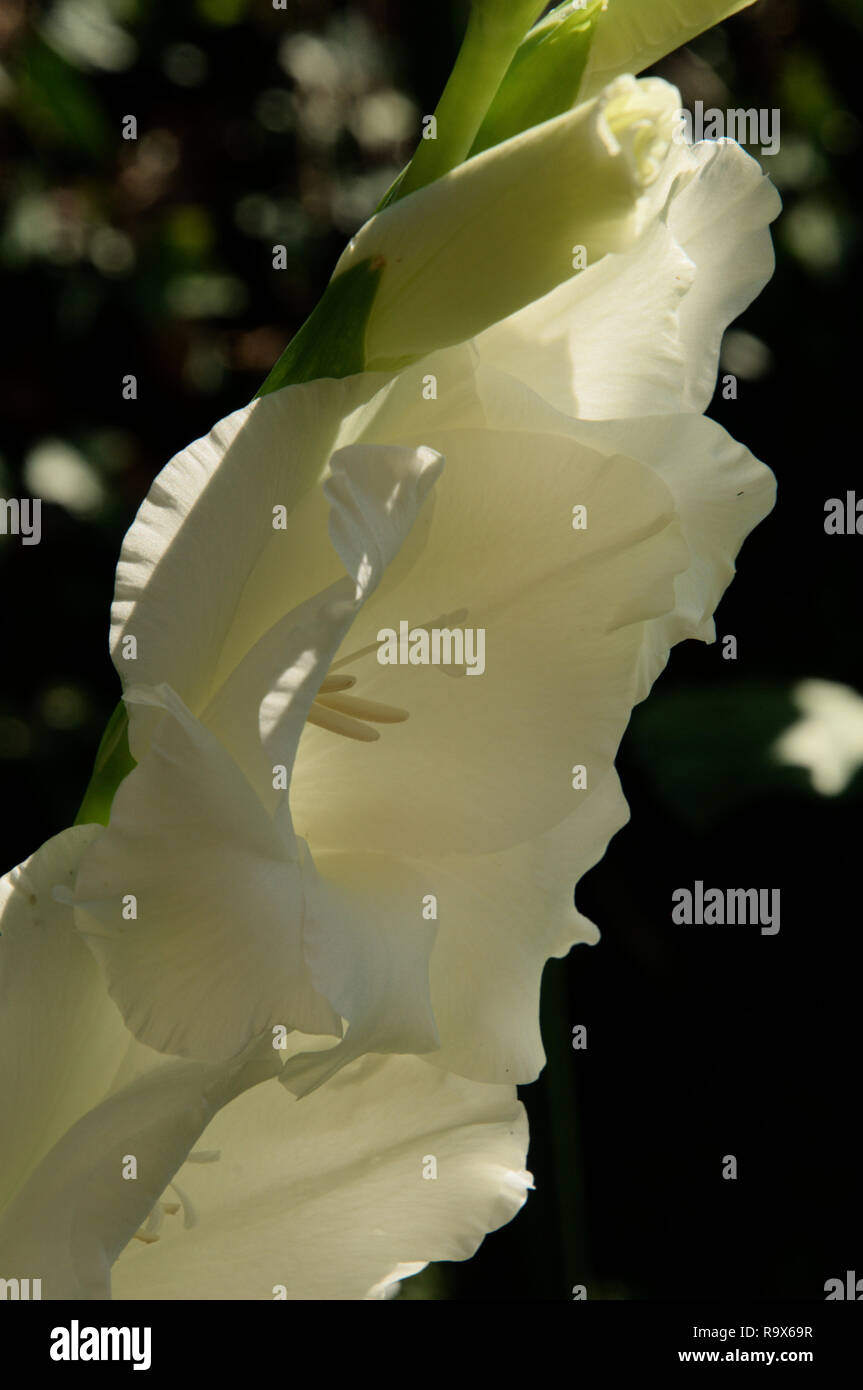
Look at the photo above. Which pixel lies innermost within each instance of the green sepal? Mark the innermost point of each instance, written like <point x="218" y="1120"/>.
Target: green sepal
<point x="495" y="29"/>
<point x="331" y="342"/>
<point x="113" y="762"/>
<point x="543" y="78"/>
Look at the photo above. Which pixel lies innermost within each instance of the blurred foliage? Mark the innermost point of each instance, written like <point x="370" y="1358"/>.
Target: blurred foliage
<point x="153" y="257"/>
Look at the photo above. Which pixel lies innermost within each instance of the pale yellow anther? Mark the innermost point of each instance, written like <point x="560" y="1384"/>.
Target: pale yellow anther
<point x="336" y="723"/>
<point x="363" y="709"/>
<point x="331" y="684"/>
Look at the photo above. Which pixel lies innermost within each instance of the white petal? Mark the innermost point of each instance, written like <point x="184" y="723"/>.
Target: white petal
<point x="261" y="710"/>
<point x="215" y="953"/>
<point x="375" y="495"/>
<point x="633" y="34"/>
<point x="61" y="1037"/>
<point x="368" y="947"/>
<point x="77" y="1211"/>
<point x="500" y="919"/>
<point x="203" y="546"/>
<point x="497" y="920"/>
<point x="485" y="761"/>
<point x="326" y="1197"/>
<point x="639" y="333"/>
<point x="721" y="493"/>
<point x="721" y="219"/>
<point x="605" y="344"/>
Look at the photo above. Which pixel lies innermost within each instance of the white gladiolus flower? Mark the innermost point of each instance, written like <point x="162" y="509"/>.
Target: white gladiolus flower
<point x="379" y="639"/>
<point x="262" y="906"/>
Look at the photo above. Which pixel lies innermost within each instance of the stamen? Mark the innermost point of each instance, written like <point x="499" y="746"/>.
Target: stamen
<point x="148" y="1234"/>
<point x="190" y="1216"/>
<point x="330" y="684"/>
<point x="364" y="709"/>
<point x="337" y="723"/>
<point x="154" y="1220"/>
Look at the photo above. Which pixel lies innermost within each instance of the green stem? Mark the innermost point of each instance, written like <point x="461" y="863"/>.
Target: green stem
<point x="490" y="43"/>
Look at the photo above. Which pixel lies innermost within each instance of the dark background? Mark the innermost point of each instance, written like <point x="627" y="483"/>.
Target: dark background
<point x="154" y="257"/>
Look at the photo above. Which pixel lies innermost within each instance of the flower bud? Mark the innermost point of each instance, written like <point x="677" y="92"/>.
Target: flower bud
<point x="544" y="77"/>
<point x="507" y="226"/>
